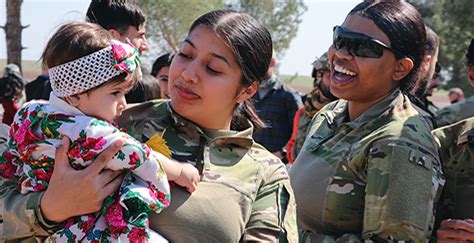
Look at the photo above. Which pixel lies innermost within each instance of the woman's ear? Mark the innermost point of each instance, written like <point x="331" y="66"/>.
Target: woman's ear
<point x="246" y="93"/>
<point x="402" y="68"/>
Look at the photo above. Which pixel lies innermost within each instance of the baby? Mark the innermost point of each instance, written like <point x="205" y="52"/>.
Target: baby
<point x="90" y="74"/>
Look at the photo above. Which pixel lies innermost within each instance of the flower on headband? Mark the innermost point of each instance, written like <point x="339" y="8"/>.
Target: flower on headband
<point x="126" y="57"/>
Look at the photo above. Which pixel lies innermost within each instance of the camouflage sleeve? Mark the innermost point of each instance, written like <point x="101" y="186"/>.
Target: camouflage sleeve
<point x="21" y="214"/>
<point x="445" y="116"/>
<point x="273" y="216"/>
<point x="399" y="199"/>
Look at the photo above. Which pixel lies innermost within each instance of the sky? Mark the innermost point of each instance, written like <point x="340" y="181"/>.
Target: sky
<point x="312" y="40"/>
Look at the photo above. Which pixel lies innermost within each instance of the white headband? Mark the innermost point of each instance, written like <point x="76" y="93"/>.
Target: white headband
<point x="90" y="71"/>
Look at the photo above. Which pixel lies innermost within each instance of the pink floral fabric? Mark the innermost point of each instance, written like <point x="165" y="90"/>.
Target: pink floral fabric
<point x="34" y="135"/>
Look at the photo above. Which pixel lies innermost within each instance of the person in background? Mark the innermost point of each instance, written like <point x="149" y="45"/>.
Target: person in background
<point x="276" y="104"/>
<point x="12" y="69"/>
<point x="40" y="88"/>
<point x="456" y="148"/>
<point x="160" y="70"/>
<point x="456" y="95"/>
<point x="146" y="89"/>
<point x="365" y="172"/>
<point x="124" y="19"/>
<point x="425" y="83"/>
<point x="461" y="110"/>
<point x="313" y="102"/>
<point x="11" y="94"/>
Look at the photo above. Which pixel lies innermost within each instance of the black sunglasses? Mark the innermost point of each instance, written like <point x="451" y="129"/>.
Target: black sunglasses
<point x="359" y="44"/>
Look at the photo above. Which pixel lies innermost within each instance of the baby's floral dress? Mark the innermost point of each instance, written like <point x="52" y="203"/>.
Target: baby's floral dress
<point x="35" y="134"/>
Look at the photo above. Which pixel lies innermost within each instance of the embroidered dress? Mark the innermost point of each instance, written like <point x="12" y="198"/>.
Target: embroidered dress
<point x="34" y="136"/>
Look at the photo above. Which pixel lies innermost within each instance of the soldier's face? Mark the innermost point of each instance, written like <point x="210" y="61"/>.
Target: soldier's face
<point x="361" y="79"/>
<point x="204" y="80"/>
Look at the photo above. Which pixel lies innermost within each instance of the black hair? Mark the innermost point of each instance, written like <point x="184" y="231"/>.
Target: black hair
<point x="11" y="88"/>
<point x="115" y="14"/>
<point x="405" y="29"/>
<point x="148" y="88"/>
<point x="161" y="62"/>
<point x="470" y="54"/>
<point x="251" y="44"/>
<point x="432" y="41"/>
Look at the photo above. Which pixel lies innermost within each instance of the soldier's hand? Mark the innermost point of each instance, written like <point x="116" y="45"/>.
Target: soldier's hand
<point x="189" y="177"/>
<point x="456" y="230"/>
<point x="77" y="192"/>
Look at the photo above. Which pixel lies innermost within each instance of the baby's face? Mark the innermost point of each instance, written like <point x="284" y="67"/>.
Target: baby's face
<point x="106" y="102"/>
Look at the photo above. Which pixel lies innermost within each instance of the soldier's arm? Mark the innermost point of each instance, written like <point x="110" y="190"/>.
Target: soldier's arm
<point x="399" y="196"/>
<point x="273" y="216"/>
<point x="399" y="192"/>
<point x="20" y="214"/>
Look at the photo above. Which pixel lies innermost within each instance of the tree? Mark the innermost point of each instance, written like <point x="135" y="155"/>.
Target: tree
<point x="452" y="21"/>
<point x="13" y="30"/>
<point x="169" y="21"/>
<point x="281" y="18"/>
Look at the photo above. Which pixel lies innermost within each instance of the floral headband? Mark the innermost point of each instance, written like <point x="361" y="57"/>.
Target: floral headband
<point x="90" y="71"/>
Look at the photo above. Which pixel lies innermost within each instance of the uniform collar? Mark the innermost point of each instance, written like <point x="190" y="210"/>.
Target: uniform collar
<point x="62" y="105"/>
<point x="241" y="138"/>
<point x="394" y="100"/>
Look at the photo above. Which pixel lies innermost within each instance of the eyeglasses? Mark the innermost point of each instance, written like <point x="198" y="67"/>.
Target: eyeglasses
<point x="359" y="44"/>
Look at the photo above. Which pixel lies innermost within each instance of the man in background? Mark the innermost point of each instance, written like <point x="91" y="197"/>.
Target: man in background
<point x="276" y="104"/>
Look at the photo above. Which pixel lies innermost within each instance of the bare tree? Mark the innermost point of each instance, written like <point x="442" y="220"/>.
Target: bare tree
<point x="13" y="29"/>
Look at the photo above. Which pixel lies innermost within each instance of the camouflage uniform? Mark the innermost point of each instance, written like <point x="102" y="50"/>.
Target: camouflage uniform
<point x="315" y="101"/>
<point x="456" y="147"/>
<point x="456" y="112"/>
<point x="370" y="178"/>
<point x="244" y="192"/>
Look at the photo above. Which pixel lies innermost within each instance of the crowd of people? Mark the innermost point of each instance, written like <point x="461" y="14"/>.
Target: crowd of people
<point x="212" y="146"/>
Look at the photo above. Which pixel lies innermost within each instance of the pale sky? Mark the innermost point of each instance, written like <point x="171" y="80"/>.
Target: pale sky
<point x="313" y="38"/>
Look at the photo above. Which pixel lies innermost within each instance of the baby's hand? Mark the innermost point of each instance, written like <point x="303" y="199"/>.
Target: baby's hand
<point x="188" y="178"/>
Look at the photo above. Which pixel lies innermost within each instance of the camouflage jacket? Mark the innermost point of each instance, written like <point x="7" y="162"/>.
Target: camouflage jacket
<point x="244" y="193"/>
<point x="456" y="147"/>
<point x="454" y="113"/>
<point x="303" y="126"/>
<point x="368" y="179"/>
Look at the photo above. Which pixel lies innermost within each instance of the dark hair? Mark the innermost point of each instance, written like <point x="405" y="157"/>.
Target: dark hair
<point x="75" y="40"/>
<point x="148" y="88"/>
<point x="470" y="54"/>
<point x="432" y="41"/>
<point x="11" y="88"/>
<point x="161" y="62"/>
<point x="115" y="14"/>
<point x="72" y="41"/>
<point x="251" y="44"/>
<point x="404" y="27"/>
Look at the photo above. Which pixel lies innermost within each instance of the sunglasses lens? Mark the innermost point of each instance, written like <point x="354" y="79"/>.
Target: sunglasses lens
<point x="367" y="48"/>
<point x="357" y="45"/>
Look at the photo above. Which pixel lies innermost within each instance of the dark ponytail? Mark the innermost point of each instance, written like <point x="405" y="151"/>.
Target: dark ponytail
<point x="245" y="113"/>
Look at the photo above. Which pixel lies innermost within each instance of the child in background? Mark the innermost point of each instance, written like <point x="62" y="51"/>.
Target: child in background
<point x="90" y="74"/>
